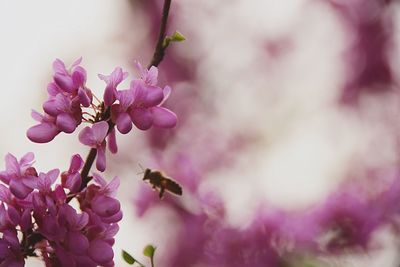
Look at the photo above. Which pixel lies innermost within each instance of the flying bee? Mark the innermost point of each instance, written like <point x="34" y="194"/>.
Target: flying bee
<point x="158" y="181"/>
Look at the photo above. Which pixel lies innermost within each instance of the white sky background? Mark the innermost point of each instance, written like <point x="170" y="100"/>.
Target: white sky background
<point x="306" y="145"/>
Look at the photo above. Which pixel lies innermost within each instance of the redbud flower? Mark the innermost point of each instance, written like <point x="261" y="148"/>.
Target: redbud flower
<point x="18" y="174"/>
<point x="95" y="138"/>
<point x="45" y="131"/>
<point x="112" y="80"/>
<point x="120" y="112"/>
<point x="71" y="82"/>
<point x="71" y="179"/>
<point x="163" y="117"/>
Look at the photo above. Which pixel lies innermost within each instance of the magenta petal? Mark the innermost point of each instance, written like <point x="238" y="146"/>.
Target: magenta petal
<point x="53" y="89"/>
<point x="27" y="159"/>
<point x="86" y="137"/>
<point x="113" y="218"/>
<point x="59" y="66"/>
<point x="66" y="122"/>
<point x="26" y="220"/>
<point x="163" y="117"/>
<point x="79" y="76"/>
<point x="142" y="118"/>
<point x="109" y="95"/>
<point x="19" y="189"/>
<point x="105" y="206"/>
<point x="64" y="81"/>
<point x="139" y="91"/>
<point x="42" y="133"/>
<point x="50" y="107"/>
<point x="151" y="77"/>
<point x="85" y="261"/>
<point x="100" y="130"/>
<point x="76" y="163"/>
<point x="84" y="98"/>
<point x="73" y="182"/>
<point x="76" y="62"/>
<point x="125" y="98"/>
<point x="100" y="251"/>
<point x="154" y="96"/>
<point x="166" y="92"/>
<point x="37" y="116"/>
<point x="13" y="215"/>
<point x="101" y="159"/>
<point x="62" y="103"/>
<point x="111" y="188"/>
<point x="99" y="180"/>
<point x="77" y="243"/>
<point x="124" y="123"/>
<point x="112" y="142"/>
<point x="12" y="164"/>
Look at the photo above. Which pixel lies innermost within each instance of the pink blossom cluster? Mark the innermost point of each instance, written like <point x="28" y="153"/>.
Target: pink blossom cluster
<point x="36" y="217"/>
<point x="64" y="110"/>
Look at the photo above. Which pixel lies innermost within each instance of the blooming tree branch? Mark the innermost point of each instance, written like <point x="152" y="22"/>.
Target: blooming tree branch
<point x="35" y="216"/>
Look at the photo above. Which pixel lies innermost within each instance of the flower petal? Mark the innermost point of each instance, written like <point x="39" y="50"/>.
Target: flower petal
<point x="101" y="159"/>
<point x="42" y="133"/>
<point x="154" y="96"/>
<point x="19" y="189"/>
<point x="66" y="122"/>
<point x="142" y="118"/>
<point x="27" y="159"/>
<point x="105" y="206"/>
<point x="100" y="130"/>
<point x="85" y="97"/>
<point x="64" y="81"/>
<point x="79" y="76"/>
<point x="100" y="251"/>
<point x="76" y="163"/>
<point x="124" y="123"/>
<point x="167" y="91"/>
<point x="125" y="98"/>
<point x="151" y="77"/>
<point x="12" y="164"/>
<point x="86" y="137"/>
<point x="109" y="95"/>
<point x="77" y="243"/>
<point x="50" y="107"/>
<point x="163" y="117"/>
<point x="112" y="141"/>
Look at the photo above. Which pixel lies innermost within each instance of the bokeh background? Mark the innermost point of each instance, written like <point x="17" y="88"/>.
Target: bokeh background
<point x="281" y="103"/>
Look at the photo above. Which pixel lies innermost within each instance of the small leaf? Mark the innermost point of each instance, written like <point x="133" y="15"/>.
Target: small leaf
<point x="128" y="258"/>
<point x="148" y="251"/>
<point x="177" y="37"/>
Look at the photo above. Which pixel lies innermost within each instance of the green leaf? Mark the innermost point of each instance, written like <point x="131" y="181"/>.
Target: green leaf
<point x="148" y="251"/>
<point x="128" y="258"/>
<point x="177" y="37"/>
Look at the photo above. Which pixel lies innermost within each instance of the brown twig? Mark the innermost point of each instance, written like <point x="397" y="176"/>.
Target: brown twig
<point x="159" y="51"/>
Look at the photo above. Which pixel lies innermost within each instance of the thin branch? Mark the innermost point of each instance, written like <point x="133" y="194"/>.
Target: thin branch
<point x="159" y="51"/>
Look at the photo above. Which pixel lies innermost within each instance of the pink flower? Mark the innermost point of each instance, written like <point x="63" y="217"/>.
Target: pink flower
<point x="44" y="181"/>
<point x="120" y="112"/>
<point x="18" y="174"/>
<point x="71" y="179"/>
<point x="71" y="82"/>
<point x="67" y="112"/>
<point x="45" y="131"/>
<point x="112" y="80"/>
<point x="163" y="117"/>
<point x="95" y="138"/>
